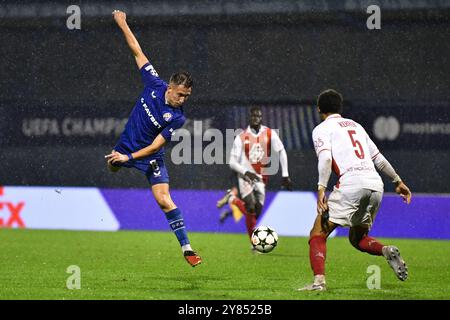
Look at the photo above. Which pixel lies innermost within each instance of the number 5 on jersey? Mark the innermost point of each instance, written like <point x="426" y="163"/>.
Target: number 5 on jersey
<point x="356" y="144"/>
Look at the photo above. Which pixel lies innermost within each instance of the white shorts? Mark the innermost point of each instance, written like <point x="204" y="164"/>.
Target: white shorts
<point x="258" y="189"/>
<point x="354" y="207"/>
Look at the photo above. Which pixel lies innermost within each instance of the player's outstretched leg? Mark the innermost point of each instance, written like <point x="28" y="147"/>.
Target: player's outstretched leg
<point x="393" y="258"/>
<point x="176" y="222"/>
<point x="360" y="239"/>
<point x="237" y="205"/>
<point x="225" y="214"/>
<point x="224" y="200"/>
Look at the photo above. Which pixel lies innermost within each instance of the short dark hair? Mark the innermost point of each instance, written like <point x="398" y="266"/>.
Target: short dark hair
<point x="255" y="108"/>
<point x="330" y="101"/>
<point x="182" y="78"/>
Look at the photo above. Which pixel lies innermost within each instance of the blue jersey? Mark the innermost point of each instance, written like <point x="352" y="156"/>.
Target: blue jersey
<point x="150" y="117"/>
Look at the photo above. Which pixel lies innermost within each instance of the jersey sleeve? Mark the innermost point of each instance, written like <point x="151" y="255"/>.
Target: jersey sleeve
<point x="175" y="124"/>
<point x="322" y="139"/>
<point x="277" y="144"/>
<point x="150" y="77"/>
<point x="373" y="149"/>
<point x="236" y="149"/>
<point x="235" y="156"/>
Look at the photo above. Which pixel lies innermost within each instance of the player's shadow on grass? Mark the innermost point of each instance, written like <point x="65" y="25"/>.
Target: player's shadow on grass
<point x="186" y="284"/>
<point x="390" y="289"/>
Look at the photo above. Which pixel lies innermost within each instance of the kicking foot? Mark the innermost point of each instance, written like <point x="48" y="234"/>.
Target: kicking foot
<point x="192" y="258"/>
<point x="392" y="255"/>
<point x="224" y="199"/>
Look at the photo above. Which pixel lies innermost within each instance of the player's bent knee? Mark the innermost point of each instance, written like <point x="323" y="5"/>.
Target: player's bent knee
<point x="165" y="202"/>
<point x="354" y="242"/>
<point x="355" y="236"/>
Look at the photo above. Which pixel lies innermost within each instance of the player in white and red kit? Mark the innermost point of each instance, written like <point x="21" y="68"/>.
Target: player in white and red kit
<point x="251" y="157"/>
<point x="342" y="145"/>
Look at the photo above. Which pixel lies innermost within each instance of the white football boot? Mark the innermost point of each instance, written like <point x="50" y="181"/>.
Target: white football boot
<point x="392" y="255"/>
<point x="318" y="284"/>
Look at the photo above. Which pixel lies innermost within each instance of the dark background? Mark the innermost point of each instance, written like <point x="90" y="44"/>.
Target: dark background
<point x="277" y="54"/>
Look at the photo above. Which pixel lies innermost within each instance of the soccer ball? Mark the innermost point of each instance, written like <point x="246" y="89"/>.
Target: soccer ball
<point x="264" y="239"/>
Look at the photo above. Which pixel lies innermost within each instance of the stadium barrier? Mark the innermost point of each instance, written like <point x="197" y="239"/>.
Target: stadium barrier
<point x="290" y="213"/>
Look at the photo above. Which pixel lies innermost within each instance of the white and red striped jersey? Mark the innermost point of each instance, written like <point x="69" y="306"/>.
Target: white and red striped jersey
<point x="253" y="150"/>
<point x="352" y="152"/>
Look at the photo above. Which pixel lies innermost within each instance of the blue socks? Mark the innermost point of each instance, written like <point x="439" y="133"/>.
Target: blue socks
<point x="176" y="222"/>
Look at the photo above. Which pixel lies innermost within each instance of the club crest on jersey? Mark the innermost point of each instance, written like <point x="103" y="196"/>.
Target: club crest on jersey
<point x="167" y="116"/>
<point x="256" y="153"/>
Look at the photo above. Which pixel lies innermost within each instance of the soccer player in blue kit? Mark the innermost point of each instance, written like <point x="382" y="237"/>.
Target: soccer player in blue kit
<point x="156" y="115"/>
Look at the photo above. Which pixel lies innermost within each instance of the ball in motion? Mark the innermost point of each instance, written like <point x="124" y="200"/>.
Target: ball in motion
<point x="264" y="239"/>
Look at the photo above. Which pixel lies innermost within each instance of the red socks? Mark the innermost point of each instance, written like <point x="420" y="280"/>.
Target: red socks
<point x="240" y="204"/>
<point x="371" y="246"/>
<point x="250" y="222"/>
<point x="318" y="251"/>
<point x="317" y="254"/>
<point x="250" y="218"/>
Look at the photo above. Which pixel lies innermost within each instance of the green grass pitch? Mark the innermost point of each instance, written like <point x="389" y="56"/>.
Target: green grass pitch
<point x="149" y="265"/>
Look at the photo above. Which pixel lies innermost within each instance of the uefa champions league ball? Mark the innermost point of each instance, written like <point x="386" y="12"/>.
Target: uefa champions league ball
<point x="264" y="239"/>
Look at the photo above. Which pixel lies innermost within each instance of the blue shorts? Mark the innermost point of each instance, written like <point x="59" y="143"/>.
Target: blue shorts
<point x="154" y="169"/>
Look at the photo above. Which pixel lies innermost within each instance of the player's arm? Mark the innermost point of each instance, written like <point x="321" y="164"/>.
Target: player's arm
<point x="286" y="182"/>
<point x="322" y="145"/>
<point x="165" y="135"/>
<point x="278" y="146"/>
<point x="324" y="169"/>
<point x="157" y="144"/>
<point x="120" y="18"/>
<point x="117" y="157"/>
<point x="383" y="165"/>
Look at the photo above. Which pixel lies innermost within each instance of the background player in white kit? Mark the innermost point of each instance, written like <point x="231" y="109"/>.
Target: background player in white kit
<point x="251" y="158"/>
<point x="344" y="146"/>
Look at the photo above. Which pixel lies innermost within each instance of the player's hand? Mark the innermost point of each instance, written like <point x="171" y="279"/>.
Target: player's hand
<point x="322" y="205"/>
<point x="251" y="177"/>
<point x="404" y="192"/>
<point x="116" y="157"/>
<point x="119" y="16"/>
<point x="322" y="209"/>
<point x="286" y="183"/>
